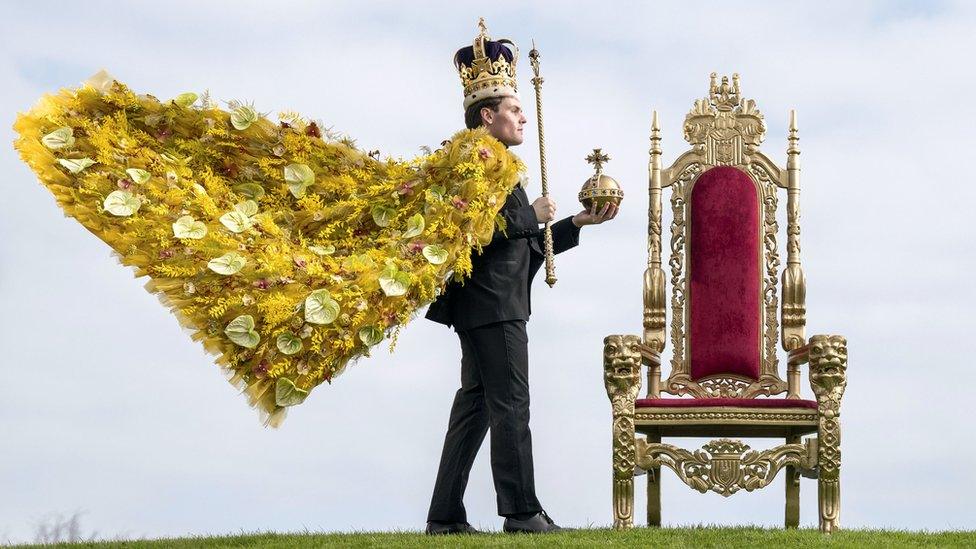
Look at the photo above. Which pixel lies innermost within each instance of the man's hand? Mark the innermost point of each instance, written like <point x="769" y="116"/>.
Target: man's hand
<point x="545" y="209"/>
<point x="593" y="217"/>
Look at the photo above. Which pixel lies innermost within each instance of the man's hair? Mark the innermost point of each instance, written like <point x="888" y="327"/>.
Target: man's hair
<point x="472" y="115"/>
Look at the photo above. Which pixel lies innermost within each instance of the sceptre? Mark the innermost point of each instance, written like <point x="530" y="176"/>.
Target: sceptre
<point x="547" y="232"/>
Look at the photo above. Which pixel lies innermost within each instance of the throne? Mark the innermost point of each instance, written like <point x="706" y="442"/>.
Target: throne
<point x="724" y="267"/>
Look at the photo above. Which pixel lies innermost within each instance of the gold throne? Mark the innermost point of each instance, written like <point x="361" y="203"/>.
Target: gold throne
<point x="724" y="267"/>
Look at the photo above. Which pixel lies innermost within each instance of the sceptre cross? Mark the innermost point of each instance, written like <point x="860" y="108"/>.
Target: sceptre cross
<point x="597" y="158"/>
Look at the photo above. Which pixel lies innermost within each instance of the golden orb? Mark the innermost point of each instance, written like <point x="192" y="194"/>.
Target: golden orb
<point x="600" y="188"/>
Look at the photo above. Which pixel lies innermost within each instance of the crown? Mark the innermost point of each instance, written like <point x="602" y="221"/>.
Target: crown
<point x="487" y="67"/>
<point x="725" y="97"/>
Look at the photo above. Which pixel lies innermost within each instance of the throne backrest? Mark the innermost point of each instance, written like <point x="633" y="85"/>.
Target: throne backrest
<point x="724" y="261"/>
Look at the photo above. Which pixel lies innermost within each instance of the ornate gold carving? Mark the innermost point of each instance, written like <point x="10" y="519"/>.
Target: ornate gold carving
<point x="723" y="387"/>
<point x="725" y="466"/>
<point x="655" y="315"/>
<point x="725" y="128"/>
<point x="828" y="379"/>
<point x="794" y="282"/>
<point x="722" y="415"/>
<point x="621" y="377"/>
<point x="679" y="378"/>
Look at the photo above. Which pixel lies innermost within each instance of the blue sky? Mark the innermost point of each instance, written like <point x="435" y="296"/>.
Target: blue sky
<point x="108" y="407"/>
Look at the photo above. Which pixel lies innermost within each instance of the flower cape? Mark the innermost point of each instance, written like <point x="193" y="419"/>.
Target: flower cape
<point x="285" y="250"/>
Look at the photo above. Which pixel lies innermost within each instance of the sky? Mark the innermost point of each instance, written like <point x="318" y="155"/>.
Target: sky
<point x="107" y="408"/>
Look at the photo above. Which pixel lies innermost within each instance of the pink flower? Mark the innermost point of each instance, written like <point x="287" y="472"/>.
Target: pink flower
<point x="165" y="254"/>
<point x="261" y="284"/>
<point x="124" y="183"/>
<point x="261" y="370"/>
<point x="416" y="246"/>
<point x="459" y="202"/>
<point x="300" y="262"/>
<point x="407" y="188"/>
<point x="484" y="153"/>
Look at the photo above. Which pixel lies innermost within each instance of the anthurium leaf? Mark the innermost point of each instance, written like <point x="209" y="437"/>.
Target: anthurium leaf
<point x="320" y="308"/>
<point x="438" y="191"/>
<point x="394" y="282"/>
<point x="287" y="394"/>
<point x="187" y="227"/>
<point x="59" y="139"/>
<point x="241" y="331"/>
<point x="289" y="343"/>
<point x="227" y="264"/>
<point x="240" y="219"/>
<point x="299" y="177"/>
<point x="75" y="165"/>
<point x="185" y="99"/>
<point x="358" y="262"/>
<point x="415" y="226"/>
<point x="250" y="190"/>
<point x="242" y="117"/>
<point x="435" y="254"/>
<point x="370" y="335"/>
<point x="121" y="203"/>
<point x="138" y="175"/>
<point x="382" y="215"/>
<point x="328" y="249"/>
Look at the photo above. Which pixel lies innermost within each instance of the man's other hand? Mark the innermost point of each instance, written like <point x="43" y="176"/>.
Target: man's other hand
<point x="545" y="209"/>
<point x="594" y="217"/>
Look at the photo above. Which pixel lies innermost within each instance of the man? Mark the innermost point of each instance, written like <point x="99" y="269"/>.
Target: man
<point x="489" y="313"/>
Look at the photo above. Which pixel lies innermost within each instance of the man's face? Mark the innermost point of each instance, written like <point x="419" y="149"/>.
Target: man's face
<point x="506" y="124"/>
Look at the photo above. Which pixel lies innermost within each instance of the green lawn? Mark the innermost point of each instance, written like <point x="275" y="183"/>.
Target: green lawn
<point x="665" y="537"/>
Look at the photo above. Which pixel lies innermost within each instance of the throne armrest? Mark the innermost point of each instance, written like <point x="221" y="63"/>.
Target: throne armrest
<point x="827" y="357"/>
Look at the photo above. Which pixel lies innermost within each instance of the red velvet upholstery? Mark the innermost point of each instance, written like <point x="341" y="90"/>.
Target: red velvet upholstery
<point x="733" y="402"/>
<point x="724" y="300"/>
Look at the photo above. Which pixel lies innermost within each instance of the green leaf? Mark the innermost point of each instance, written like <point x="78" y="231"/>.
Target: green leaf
<point x="323" y="250"/>
<point x="187" y="227"/>
<point x="299" y="177"/>
<point x="382" y="215"/>
<point x="75" y="165"/>
<point x="59" y="138"/>
<point x="121" y="203"/>
<point x="394" y="282"/>
<point x="435" y="254"/>
<point x="243" y="117"/>
<point x="250" y="190"/>
<point x="227" y="264"/>
<point x="289" y="343"/>
<point x="185" y="99"/>
<point x="359" y="262"/>
<point x="415" y="226"/>
<point x="370" y="335"/>
<point x="320" y="308"/>
<point x="137" y="175"/>
<point x="241" y="218"/>
<point x="287" y="394"/>
<point x="241" y="331"/>
<point x="438" y="191"/>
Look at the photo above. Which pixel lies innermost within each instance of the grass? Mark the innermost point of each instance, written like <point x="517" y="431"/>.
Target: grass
<point x="695" y="537"/>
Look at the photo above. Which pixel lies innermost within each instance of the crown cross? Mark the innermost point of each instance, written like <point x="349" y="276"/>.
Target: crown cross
<point x="597" y="158"/>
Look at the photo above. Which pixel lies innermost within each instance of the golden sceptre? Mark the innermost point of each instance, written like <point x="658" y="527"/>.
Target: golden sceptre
<point x="547" y="232"/>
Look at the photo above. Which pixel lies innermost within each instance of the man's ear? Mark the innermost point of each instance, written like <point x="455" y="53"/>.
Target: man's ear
<point x="486" y="115"/>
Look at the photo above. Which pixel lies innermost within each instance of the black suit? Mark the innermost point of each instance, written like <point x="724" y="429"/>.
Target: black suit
<point x="489" y="312"/>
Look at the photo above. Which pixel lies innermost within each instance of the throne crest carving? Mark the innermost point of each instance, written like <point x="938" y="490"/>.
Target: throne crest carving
<point x="732" y="303"/>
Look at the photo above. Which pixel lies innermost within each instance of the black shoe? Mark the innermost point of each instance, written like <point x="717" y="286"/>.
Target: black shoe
<point x="538" y="523"/>
<point x="435" y="528"/>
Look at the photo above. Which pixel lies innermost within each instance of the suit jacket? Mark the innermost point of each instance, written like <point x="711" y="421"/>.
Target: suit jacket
<point x="500" y="284"/>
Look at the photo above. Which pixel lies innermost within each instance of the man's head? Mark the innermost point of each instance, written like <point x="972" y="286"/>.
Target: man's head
<point x="501" y="116"/>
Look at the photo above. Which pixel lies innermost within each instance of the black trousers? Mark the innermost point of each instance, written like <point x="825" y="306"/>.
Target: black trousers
<point x="494" y="395"/>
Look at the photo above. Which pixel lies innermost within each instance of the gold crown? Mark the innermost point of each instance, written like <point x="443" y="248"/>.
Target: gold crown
<point x="482" y="76"/>
<point x="725" y="97"/>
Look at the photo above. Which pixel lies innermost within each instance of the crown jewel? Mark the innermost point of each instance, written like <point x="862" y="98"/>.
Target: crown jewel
<point x="487" y="67"/>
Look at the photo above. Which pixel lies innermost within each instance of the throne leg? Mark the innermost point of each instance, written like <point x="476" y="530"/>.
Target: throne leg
<point x="654" y="491"/>
<point x="828" y="379"/>
<point x="792" y="490"/>
<point x="621" y="375"/>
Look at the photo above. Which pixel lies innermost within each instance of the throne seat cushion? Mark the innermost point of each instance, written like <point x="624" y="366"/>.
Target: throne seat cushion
<point x="729" y="402"/>
<point x="724" y="276"/>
